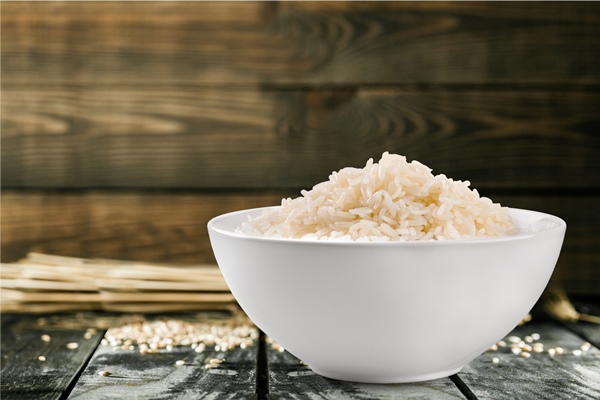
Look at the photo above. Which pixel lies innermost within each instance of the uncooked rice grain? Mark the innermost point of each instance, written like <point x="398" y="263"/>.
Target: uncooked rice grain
<point x="392" y="200"/>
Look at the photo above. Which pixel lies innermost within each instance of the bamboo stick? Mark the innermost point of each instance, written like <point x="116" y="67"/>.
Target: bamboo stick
<point x="164" y="307"/>
<point x="50" y="296"/>
<point x="189" y="297"/>
<point x="36" y="284"/>
<point x="137" y="285"/>
<point x="35" y="308"/>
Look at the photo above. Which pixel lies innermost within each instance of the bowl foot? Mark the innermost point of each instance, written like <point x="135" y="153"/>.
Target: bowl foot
<point x="389" y="379"/>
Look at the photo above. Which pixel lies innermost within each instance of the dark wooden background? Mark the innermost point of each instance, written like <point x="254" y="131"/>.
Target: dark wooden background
<point x="126" y="126"/>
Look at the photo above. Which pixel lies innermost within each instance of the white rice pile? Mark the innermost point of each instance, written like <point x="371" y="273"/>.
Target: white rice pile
<point x="392" y="200"/>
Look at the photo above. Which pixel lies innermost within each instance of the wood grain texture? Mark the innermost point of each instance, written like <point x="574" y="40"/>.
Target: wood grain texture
<point x="587" y="330"/>
<point x="23" y="375"/>
<point x="271" y="97"/>
<point x="244" y="138"/>
<point x="296" y="43"/>
<point x="540" y="376"/>
<point x="156" y="376"/>
<point x="127" y="226"/>
<point x="290" y="379"/>
<point x="171" y="227"/>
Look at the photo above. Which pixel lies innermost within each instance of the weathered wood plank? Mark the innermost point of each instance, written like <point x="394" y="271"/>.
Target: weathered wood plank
<point x="134" y="226"/>
<point x="24" y="375"/>
<point x="243" y="138"/>
<point x="295" y="43"/>
<point x="157" y="376"/>
<point x="564" y="376"/>
<point x="587" y="330"/>
<point x="289" y="378"/>
<point x="495" y="139"/>
<point x="171" y="227"/>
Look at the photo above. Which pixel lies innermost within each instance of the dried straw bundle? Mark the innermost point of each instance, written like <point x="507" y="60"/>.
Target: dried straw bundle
<point x="49" y="283"/>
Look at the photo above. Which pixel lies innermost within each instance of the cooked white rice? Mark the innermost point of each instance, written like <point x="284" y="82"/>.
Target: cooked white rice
<point x="392" y="200"/>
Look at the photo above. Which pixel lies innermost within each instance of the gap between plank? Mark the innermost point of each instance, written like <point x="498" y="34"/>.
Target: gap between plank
<point x="67" y="392"/>
<point x="464" y="389"/>
<point x="262" y="368"/>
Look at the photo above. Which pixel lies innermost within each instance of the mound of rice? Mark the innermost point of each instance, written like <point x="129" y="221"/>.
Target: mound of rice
<point x="392" y="200"/>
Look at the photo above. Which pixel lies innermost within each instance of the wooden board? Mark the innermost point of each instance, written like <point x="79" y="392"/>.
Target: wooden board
<point x="254" y="139"/>
<point x="587" y="330"/>
<point x="273" y="96"/>
<point x="295" y="43"/>
<point x="73" y="373"/>
<point x="289" y="378"/>
<point x="171" y="227"/>
<point x="136" y="226"/>
<point x="23" y="375"/>
<point x="157" y="376"/>
<point x="540" y="376"/>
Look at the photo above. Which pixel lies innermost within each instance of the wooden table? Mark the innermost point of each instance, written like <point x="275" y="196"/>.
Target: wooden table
<point x="263" y="370"/>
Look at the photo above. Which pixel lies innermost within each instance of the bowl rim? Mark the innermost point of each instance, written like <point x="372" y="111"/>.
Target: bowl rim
<point x="558" y="225"/>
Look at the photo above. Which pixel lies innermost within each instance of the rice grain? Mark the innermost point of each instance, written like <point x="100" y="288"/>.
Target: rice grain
<point x="392" y="200"/>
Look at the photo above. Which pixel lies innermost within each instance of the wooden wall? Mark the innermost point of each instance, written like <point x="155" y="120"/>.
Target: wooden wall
<point x="126" y="126"/>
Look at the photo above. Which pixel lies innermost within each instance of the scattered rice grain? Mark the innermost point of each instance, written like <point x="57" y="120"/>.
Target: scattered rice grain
<point x="538" y="348"/>
<point x="514" y="339"/>
<point x="586" y="346"/>
<point x="153" y="335"/>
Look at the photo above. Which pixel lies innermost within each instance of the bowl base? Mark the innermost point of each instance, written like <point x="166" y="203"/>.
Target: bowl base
<point x="397" y="379"/>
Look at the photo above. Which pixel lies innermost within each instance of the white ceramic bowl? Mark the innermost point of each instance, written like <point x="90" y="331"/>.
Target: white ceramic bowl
<point x="386" y="312"/>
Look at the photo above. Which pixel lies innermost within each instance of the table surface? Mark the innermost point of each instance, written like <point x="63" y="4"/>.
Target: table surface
<point x="261" y="369"/>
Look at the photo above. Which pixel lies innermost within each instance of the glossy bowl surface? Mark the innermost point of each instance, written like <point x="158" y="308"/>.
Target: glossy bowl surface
<point x="388" y="312"/>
